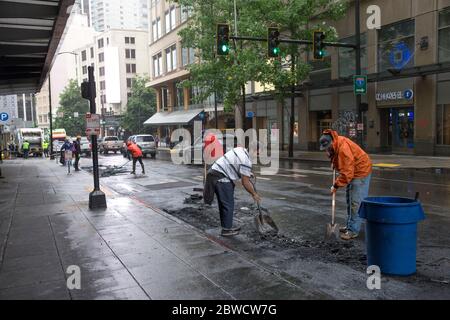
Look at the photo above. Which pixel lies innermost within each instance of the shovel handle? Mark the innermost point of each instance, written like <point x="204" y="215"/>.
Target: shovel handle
<point x="333" y="201"/>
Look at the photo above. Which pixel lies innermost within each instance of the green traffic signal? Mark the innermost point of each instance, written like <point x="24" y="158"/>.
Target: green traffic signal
<point x="224" y="48"/>
<point x="223" y="39"/>
<point x="273" y="42"/>
<point x="318" y="45"/>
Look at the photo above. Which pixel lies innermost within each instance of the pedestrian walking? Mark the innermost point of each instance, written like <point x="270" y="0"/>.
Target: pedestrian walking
<point x="77" y="152"/>
<point x="45" y="148"/>
<point x="232" y="166"/>
<point x="66" y="146"/>
<point x="156" y="141"/>
<point x="136" y="153"/>
<point x="25" y="149"/>
<point x="69" y="150"/>
<point x="355" y="170"/>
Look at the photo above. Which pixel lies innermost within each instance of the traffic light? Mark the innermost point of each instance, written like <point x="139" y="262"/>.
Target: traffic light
<point x="88" y="90"/>
<point x="318" y="46"/>
<point x="223" y="39"/>
<point x="273" y="43"/>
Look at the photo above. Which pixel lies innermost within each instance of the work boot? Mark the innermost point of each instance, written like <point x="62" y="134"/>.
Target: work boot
<point x="343" y="229"/>
<point x="229" y="232"/>
<point x="349" y="235"/>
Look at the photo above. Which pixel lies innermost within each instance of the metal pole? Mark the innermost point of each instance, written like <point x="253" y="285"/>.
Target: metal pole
<point x="97" y="198"/>
<point x="50" y="115"/>
<point x="215" y="111"/>
<point x="358" y="66"/>
<point x="292" y="119"/>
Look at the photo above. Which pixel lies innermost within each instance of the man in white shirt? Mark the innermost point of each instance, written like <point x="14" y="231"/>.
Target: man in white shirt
<point x="232" y="166"/>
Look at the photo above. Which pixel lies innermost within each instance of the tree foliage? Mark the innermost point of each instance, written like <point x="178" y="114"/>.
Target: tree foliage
<point x="141" y="105"/>
<point x="71" y="102"/>
<point x="247" y="60"/>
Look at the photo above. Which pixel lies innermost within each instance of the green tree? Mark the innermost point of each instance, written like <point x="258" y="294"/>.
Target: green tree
<point x="141" y="105"/>
<point x="71" y="102"/>
<point x="247" y="60"/>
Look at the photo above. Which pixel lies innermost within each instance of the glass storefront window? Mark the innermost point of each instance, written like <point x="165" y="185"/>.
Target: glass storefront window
<point x="444" y="35"/>
<point x="396" y="46"/>
<point x="347" y="66"/>
<point x="443" y="124"/>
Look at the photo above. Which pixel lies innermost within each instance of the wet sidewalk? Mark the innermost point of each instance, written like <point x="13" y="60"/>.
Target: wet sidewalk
<point x="128" y="251"/>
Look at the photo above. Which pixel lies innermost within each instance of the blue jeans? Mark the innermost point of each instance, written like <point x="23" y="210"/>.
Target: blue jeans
<point x="225" y="197"/>
<point x="357" y="190"/>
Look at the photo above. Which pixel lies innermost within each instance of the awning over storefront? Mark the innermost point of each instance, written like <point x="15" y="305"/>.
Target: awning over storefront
<point x="173" y="118"/>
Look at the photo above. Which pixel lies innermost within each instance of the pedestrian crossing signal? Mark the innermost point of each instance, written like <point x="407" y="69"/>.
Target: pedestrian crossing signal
<point x="318" y="45"/>
<point x="223" y="39"/>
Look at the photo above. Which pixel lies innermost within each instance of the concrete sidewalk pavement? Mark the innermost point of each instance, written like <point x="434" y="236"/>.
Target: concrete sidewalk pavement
<point x="128" y="251"/>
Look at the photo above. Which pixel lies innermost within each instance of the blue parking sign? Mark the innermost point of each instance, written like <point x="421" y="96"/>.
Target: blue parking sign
<point x="4" y="116"/>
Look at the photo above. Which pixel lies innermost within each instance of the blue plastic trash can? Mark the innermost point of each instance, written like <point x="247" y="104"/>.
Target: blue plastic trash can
<point x="391" y="233"/>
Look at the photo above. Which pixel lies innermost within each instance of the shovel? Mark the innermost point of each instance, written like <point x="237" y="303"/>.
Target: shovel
<point x="264" y="223"/>
<point x="333" y="228"/>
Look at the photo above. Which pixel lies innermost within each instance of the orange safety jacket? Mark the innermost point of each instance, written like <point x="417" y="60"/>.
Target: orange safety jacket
<point x="348" y="159"/>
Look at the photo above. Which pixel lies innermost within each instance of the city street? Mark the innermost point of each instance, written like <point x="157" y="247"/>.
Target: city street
<point x="46" y="229"/>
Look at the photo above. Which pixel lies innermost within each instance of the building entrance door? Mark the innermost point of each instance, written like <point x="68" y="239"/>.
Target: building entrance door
<point x="401" y="129"/>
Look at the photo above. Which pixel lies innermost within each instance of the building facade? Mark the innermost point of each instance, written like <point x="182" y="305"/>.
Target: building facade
<point x="117" y="56"/>
<point x="118" y="14"/>
<point x="176" y="106"/>
<point x="407" y="105"/>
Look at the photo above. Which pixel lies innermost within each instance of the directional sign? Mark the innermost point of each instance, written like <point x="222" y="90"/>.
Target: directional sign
<point x="250" y="114"/>
<point x="92" y="124"/>
<point x="4" y="116"/>
<point x="360" y="84"/>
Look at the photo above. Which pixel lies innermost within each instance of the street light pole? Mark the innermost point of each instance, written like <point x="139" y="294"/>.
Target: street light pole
<point x="50" y="115"/>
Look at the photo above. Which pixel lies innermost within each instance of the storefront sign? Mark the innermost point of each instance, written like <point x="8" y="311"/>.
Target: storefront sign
<point x="92" y="124"/>
<point x="395" y="95"/>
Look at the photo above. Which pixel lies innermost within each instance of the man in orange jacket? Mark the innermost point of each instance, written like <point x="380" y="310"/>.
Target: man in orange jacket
<point x="136" y="153"/>
<point x="355" y="169"/>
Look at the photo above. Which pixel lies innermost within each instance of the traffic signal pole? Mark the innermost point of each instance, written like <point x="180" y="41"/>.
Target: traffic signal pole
<point x="358" y="67"/>
<point x="97" y="199"/>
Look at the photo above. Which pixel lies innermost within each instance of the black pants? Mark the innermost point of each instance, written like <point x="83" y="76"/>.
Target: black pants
<point x="77" y="159"/>
<point x="225" y="199"/>
<point x="45" y="152"/>
<point x="140" y="161"/>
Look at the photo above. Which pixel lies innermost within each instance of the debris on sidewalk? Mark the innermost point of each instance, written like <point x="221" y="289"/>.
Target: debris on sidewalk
<point x="193" y="199"/>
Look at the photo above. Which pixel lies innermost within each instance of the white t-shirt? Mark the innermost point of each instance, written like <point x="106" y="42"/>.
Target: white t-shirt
<point x="234" y="164"/>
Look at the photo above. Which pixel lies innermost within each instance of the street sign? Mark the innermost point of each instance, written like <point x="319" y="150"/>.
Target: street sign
<point x="360" y="127"/>
<point x="4" y="116"/>
<point x="250" y="114"/>
<point x="360" y="84"/>
<point x="92" y="124"/>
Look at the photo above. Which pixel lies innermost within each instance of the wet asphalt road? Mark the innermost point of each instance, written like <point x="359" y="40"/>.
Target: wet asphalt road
<point x="299" y="201"/>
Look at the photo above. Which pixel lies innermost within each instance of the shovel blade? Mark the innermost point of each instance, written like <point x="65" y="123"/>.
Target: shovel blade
<point x="332" y="232"/>
<point x="264" y="224"/>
